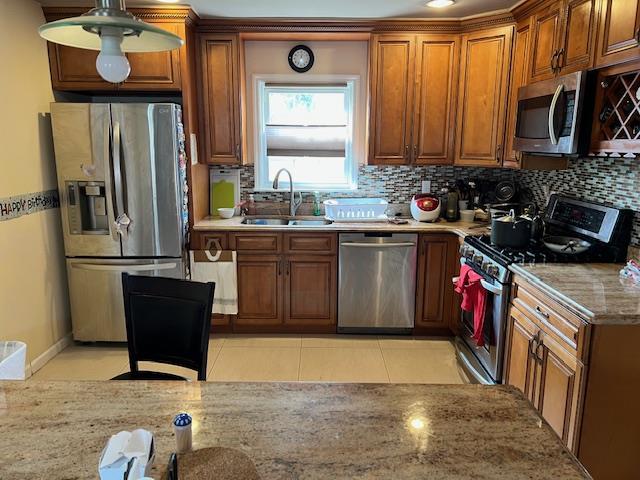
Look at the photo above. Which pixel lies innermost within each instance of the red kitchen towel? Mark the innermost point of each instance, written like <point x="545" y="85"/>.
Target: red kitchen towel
<point x="474" y="298"/>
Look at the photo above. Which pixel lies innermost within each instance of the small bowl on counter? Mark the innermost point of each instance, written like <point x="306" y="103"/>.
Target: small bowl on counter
<point x="467" y="215"/>
<point x="226" y="212"/>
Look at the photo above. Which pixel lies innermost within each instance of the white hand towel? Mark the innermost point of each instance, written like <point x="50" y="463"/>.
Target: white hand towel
<point x="220" y="268"/>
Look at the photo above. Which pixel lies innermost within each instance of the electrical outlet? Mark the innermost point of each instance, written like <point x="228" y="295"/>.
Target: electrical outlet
<point x="426" y="186"/>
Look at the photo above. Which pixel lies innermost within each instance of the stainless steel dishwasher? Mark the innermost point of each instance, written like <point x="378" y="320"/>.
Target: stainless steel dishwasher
<point x="377" y="282"/>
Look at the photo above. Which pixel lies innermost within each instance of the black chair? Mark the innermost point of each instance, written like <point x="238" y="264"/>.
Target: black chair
<point x="168" y="321"/>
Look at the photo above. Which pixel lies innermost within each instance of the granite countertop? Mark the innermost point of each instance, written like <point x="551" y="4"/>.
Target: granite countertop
<point x="234" y="224"/>
<point x="593" y="291"/>
<point x="56" y="430"/>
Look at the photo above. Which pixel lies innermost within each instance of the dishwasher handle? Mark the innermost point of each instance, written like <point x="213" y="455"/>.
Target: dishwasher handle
<point x="377" y="245"/>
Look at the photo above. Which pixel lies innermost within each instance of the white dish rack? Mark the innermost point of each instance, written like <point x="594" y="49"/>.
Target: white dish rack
<point x="356" y="210"/>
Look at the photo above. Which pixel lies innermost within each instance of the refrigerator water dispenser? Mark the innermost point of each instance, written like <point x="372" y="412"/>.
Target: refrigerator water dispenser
<point x="87" y="208"/>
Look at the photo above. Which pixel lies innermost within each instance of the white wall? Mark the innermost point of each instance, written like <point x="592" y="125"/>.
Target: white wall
<point x="33" y="286"/>
<point x="331" y="58"/>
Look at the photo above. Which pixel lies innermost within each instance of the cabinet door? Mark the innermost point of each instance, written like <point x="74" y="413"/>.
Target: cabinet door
<point x="619" y="32"/>
<point x="311" y="290"/>
<point x="436" y="267"/>
<point x="220" y="97"/>
<point x="518" y="79"/>
<point x="155" y="70"/>
<point x="579" y="31"/>
<point x="482" y="102"/>
<point x="392" y="89"/>
<point x="75" y="69"/>
<point x="260" y="289"/>
<point x="558" y="391"/>
<point x="519" y="363"/>
<point x="434" y="111"/>
<point x="545" y="34"/>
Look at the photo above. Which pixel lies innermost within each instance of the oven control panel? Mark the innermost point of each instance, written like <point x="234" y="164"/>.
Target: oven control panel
<point x="484" y="264"/>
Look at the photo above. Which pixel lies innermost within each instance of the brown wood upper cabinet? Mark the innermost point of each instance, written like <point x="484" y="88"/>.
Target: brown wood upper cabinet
<point x="413" y="93"/>
<point x="219" y="77"/>
<point x="519" y="73"/>
<point x="74" y="69"/>
<point x="562" y="38"/>
<point x="619" y="32"/>
<point x="482" y="97"/>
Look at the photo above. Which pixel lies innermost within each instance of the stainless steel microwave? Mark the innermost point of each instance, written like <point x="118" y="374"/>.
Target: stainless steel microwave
<point x="548" y="118"/>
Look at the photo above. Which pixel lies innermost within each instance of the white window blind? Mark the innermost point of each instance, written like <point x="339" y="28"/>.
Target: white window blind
<point x="307" y="129"/>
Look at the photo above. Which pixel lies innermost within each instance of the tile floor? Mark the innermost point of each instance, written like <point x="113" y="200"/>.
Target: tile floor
<point x="272" y="358"/>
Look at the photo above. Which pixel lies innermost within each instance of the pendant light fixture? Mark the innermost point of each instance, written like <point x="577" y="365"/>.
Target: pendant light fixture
<point x="112" y="30"/>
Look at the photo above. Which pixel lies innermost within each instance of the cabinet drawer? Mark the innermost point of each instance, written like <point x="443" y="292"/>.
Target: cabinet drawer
<point x="310" y="243"/>
<point x="205" y="240"/>
<point x="557" y="321"/>
<point x="256" y="242"/>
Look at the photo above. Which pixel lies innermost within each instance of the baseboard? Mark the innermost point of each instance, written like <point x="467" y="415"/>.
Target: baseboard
<point x="40" y="361"/>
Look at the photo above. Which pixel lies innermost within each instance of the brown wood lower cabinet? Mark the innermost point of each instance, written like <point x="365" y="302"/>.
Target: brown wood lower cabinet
<point x="310" y="290"/>
<point x="545" y="372"/>
<point x="294" y="292"/>
<point x="260" y="290"/>
<point x="438" y="263"/>
<point x="586" y="384"/>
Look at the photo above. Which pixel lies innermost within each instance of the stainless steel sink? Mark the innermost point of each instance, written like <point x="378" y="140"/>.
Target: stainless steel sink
<point x="309" y="223"/>
<point x="265" y="221"/>
<point x="299" y="222"/>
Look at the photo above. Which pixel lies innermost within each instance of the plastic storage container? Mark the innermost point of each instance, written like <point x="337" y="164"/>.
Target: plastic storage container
<point x="12" y="360"/>
<point x="356" y="210"/>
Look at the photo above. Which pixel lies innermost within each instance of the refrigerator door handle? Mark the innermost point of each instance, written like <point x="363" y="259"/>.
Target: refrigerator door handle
<point x="125" y="268"/>
<point x="122" y="222"/>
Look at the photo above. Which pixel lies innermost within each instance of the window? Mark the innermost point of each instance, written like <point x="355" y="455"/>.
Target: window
<point x="307" y="129"/>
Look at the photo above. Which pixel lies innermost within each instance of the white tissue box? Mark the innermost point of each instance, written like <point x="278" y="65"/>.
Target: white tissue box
<point x="127" y="456"/>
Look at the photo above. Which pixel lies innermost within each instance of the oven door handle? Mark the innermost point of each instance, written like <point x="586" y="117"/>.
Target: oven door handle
<point x="491" y="288"/>
<point x="552" y="114"/>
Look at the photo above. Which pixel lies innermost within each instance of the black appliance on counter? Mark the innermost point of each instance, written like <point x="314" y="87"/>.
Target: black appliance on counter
<point x="607" y="228"/>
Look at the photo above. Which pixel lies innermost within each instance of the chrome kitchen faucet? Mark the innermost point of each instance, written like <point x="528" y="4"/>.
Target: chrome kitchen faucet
<point x="293" y="202"/>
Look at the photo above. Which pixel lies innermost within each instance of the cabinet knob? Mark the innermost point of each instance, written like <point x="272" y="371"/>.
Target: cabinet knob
<point x="415" y="152"/>
<point x="238" y="151"/>
<point x="542" y="312"/>
<point x="406" y="152"/>
<point x="498" y="153"/>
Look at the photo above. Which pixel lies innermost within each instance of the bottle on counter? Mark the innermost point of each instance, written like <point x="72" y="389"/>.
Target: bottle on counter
<point x="251" y="205"/>
<point x="444" y="195"/>
<point x="316" y="204"/>
<point x="452" y="206"/>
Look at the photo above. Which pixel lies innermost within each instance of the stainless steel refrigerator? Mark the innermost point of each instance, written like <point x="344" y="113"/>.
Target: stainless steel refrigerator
<point x="121" y="178"/>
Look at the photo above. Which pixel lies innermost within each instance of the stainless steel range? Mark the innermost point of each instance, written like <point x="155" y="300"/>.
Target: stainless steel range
<point x="607" y="228"/>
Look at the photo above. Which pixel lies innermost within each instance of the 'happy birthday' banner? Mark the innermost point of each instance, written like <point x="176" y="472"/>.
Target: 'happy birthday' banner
<point x="19" y="205"/>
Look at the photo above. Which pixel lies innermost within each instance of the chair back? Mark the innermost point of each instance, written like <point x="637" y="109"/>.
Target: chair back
<point x="168" y="321"/>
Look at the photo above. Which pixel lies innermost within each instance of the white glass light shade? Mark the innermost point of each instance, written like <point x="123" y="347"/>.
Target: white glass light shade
<point x="138" y="36"/>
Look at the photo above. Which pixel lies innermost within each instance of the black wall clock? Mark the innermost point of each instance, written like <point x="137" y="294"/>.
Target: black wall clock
<point x="301" y="58"/>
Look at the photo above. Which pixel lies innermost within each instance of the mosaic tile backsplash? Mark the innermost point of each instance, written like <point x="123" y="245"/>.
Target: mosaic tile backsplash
<point x="611" y="180"/>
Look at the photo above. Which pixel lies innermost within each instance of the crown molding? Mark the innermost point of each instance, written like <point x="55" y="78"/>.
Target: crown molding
<point x="168" y="13"/>
<point x="212" y="25"/>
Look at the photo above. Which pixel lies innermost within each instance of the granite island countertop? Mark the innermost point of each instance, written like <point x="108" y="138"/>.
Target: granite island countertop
<point x="235" y="224"/>
<point x="593" y="291"/>
<point x="56" y="430"/>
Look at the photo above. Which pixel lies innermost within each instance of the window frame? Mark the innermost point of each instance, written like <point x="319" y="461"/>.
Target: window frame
<point x="263" y="84"/>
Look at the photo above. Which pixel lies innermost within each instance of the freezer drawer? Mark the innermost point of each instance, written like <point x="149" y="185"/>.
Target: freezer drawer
<point x="377" y="282"/>
<point x="95" y="292"/>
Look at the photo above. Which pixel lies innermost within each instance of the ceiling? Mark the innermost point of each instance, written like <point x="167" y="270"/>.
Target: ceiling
<point x="321" y="8"/>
